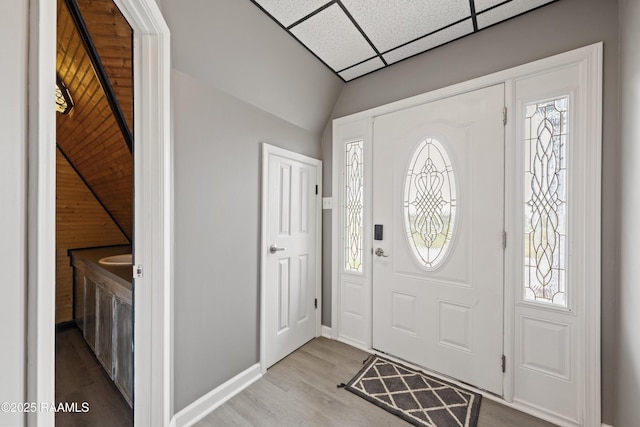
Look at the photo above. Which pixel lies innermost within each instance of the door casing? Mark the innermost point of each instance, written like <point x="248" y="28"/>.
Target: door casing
<point x="153" y="201"/>
<point x="359" y="125"/>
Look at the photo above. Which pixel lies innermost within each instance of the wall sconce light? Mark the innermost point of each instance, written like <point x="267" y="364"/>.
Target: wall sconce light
<point x="64" y="104"/>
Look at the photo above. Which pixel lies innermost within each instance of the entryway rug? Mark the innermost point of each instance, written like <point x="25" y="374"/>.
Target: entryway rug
<point x="418" y="398"/>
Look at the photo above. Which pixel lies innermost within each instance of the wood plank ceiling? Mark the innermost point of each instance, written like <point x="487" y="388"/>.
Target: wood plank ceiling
<point x="90" y="136"/>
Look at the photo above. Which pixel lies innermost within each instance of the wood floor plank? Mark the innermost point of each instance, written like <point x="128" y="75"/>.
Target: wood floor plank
<point x="81" y="378"/>
<point x="301" y="390"/>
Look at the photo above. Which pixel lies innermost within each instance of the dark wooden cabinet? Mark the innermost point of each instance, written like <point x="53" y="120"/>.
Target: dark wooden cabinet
<point x="103" y="311"/>
<point x="78" y="298"/>
<point x="90" y="312"/>
<point x="105" y="328"/>
<point x="123" y="348"/>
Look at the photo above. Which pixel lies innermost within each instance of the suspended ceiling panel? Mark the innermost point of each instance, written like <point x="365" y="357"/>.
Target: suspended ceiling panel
<point x="357" y="37"/>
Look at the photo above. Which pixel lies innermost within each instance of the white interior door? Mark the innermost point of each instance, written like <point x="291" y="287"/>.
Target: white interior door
<point x="438" y="192"/>
<point x="291" y="251"/>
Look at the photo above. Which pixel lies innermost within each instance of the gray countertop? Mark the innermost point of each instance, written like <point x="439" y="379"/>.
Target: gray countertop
<point x="123" y="274"/>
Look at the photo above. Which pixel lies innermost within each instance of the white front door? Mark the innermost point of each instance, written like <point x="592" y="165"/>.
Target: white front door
<point x="438" y="193"/>
<point x="290" y="251"/>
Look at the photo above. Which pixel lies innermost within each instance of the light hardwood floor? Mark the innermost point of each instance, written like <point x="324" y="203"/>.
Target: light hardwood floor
<point x="300" y="390"/>
<point x="81" y="378"/>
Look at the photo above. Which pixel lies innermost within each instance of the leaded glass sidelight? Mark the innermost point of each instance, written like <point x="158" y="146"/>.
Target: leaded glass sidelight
<point x="353" y="207"/>
<point x="430" y="203"/>
<point x="545" y="207"/>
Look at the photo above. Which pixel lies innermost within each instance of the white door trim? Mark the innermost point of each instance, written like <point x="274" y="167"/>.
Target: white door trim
<point x="41" y="211"/>
<point x="268" y="150"/>
<point x="153" y="169"/>
<point x="591" y="59"/>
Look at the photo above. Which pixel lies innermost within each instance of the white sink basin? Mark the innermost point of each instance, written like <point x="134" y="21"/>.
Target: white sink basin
<point x="125" y="259"/>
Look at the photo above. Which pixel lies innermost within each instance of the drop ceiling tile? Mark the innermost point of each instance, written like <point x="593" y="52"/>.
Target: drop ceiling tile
<point x="391" y="23"/>
<point x="486" y="4"/>
<point x="441" y="37"/>
<point x="331" y="35"/>
<point x="362" y="69"/>
<point x="508" y="10"/>
<point x="288" y="12"/>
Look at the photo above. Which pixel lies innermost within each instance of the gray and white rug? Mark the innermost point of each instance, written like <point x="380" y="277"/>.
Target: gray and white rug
<point x="418" y="398"/>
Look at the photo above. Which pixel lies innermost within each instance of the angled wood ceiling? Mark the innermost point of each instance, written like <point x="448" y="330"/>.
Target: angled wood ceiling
<point x="90" y="136"/>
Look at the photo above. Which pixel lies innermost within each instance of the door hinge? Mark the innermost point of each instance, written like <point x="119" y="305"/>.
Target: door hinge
<point x="315" y="303"/>
<point x="504" y="240"/>
<point x="504" y="116"/>
<point x="504" y="363"/>
<point x="316" y="190"/>
<point x="137" y="271"/>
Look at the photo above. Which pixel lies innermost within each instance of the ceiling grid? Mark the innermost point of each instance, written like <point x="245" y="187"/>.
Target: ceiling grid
<point x="357" y="37"/>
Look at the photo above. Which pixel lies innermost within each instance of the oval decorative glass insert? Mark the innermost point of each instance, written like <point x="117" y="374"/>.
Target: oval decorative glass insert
<point x="430" y="203"/>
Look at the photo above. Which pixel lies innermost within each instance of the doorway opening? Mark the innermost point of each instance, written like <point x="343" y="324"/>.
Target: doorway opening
<point x="94" y="211"/>
<point x="438" y="271"/>
<point x="549" y="333"/>
<point x="152" y="193"/>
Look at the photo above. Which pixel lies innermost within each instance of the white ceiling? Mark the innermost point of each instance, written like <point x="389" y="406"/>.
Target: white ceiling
<point x="357" y="37"/>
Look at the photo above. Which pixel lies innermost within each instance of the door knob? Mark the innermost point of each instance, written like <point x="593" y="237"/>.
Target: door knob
<point x="380" y="252"/>
<point x="274" y="248"/>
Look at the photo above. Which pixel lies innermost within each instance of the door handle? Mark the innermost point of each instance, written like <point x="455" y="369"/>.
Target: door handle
<point x="380" y="252"/>
<point x="274" y="248"/>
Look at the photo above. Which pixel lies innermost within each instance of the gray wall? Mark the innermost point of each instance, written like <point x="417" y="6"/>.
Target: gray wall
<point x="238" y="80"/>
<point x="232" y="45"/>
<point x="628" y="375"/>
<point x="217" y="231"/>
<point x="13" y="146"/>
<point x="556" y="28"/>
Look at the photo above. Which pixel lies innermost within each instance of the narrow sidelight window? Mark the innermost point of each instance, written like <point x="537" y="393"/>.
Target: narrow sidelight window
<point x="353" y="207"/>
<point x="545" y="202"/>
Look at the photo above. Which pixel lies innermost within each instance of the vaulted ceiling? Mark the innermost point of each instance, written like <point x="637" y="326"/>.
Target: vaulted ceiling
<point x="94" y="61"/>
<point x="357" y="37"/>
<point x="351" y="37"/>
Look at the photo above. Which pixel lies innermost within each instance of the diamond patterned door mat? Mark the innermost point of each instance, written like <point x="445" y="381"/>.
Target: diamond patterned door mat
<point x="414" y="396"/>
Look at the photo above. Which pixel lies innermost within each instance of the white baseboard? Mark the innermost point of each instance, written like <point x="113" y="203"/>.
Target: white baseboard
<point x="216" y="397"/>
<point x="326" y="331"/>
<point x="606" y="425"/>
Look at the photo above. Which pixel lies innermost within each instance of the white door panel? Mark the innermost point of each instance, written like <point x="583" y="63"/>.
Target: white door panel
<point x="439" y="304"/>
<point x="290" y="256"/>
